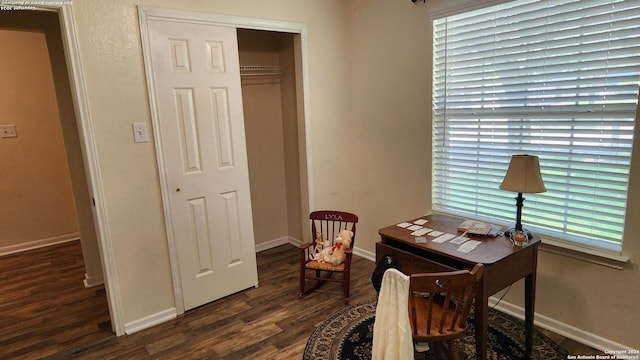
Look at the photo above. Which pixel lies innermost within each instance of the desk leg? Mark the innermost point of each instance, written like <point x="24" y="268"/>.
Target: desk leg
<point x="529" y="305"/>
<point x="482" y="328"/>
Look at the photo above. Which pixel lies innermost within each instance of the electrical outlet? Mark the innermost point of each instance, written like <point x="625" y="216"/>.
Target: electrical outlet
<point x="8" y="131"/>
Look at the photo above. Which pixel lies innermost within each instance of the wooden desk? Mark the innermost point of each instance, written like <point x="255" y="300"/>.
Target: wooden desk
<point x="503" y="262"/>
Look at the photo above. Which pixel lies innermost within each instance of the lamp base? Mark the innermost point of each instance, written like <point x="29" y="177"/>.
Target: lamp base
<point x="518" y="237"/>
<point x="510" y="231"/>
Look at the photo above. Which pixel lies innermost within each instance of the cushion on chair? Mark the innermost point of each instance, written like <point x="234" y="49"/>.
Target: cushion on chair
<point x="315" y="265"/>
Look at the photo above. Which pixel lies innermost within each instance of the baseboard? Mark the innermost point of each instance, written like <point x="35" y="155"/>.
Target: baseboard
<point x="295" y="242"/>
<point x="90" y="282"/>
<point x="274" y="243"/>
<point x="149" y="321"/>
<point x="365" y="254"/>
<point x="12" y="249"/>
<point x="568" y="331"/>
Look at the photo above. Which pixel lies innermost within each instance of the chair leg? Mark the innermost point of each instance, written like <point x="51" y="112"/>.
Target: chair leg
<point x="318" y="282"/>
<point x="437" y="349"/>
<point x="321" y="280"/>
<point x="453" y="350"/>
<point x="302" y="282"/>
<point x="346" y="279"/>
<point x="302" y="273"/>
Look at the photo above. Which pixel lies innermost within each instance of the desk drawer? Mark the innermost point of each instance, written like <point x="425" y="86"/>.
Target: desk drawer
<point x="410" y="262"/>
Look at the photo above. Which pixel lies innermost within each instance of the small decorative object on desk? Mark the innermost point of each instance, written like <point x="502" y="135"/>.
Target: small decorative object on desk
<point x="478" y="229"/>
<point x="465" y="225"/>
<point x="519" y="238"/>
<point x="474" y="227"/>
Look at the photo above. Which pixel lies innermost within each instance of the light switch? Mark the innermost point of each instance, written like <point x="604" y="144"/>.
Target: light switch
<point x="8" y="131"/>
<point x="140" y="132"/>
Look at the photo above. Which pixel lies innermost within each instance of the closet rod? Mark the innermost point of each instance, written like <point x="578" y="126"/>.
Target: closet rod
<point x="260" y="70"/>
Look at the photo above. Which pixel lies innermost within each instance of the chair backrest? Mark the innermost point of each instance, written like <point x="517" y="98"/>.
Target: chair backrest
<point x="445" y="300"/>
<point x="330" y="223"/>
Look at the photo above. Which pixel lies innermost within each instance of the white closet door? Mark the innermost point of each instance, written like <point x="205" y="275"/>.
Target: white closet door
<point x="196" y="82"/>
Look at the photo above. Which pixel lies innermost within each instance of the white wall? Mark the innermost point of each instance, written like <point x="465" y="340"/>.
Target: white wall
<point x="369" y="91"/>
<point x="111" y="55"/>
<point x="389" y="137"/>
<point x="390" y="110"/>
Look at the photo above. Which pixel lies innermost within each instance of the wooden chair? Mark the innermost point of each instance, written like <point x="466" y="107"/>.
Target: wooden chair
<point x="329" y="224"/>
<point x="439" y="304"/>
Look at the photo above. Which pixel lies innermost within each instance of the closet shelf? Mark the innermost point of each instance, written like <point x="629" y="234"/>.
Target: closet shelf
<point x="265" y="71"/>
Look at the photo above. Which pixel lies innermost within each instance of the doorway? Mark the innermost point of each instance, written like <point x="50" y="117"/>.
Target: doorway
<point x="46" y="25"/>
<point x="269" y="96"/>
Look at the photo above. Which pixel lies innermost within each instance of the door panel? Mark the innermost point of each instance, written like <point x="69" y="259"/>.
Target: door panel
<point x="196" y="80"/>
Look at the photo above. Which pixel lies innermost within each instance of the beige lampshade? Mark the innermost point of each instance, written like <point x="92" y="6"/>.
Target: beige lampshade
<point x="523" y="175"/>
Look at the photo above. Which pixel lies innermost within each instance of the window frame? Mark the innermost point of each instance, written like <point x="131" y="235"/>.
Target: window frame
<point x="575" y="249"/>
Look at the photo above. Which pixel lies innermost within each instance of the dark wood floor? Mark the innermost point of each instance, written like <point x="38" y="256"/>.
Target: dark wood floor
<point x="44" y="307"/>
<point x="46" y="313"/>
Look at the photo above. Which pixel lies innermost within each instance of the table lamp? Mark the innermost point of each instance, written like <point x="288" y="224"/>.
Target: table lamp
<point x="523" y="176"/>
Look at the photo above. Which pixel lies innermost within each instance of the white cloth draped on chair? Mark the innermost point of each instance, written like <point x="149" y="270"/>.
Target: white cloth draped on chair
<point x="392" y="338"/>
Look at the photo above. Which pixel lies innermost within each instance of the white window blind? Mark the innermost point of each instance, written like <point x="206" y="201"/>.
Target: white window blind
<point x="557" y="79"/>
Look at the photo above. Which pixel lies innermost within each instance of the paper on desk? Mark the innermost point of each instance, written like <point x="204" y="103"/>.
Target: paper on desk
<point x="435" y="233"/>
<point x="444" y="237"/>
<point x="421" y="221"/>
<point x="404" y="224"/>
<point x="421" y="232"/>
<point x="421" y="240"/>
<point x="469" y="246"/>
<point x="414" y="227"/>
<point x="459" y="240"/>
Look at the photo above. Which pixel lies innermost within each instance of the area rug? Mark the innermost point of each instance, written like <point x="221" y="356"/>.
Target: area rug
<point x="348" y="334"/>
